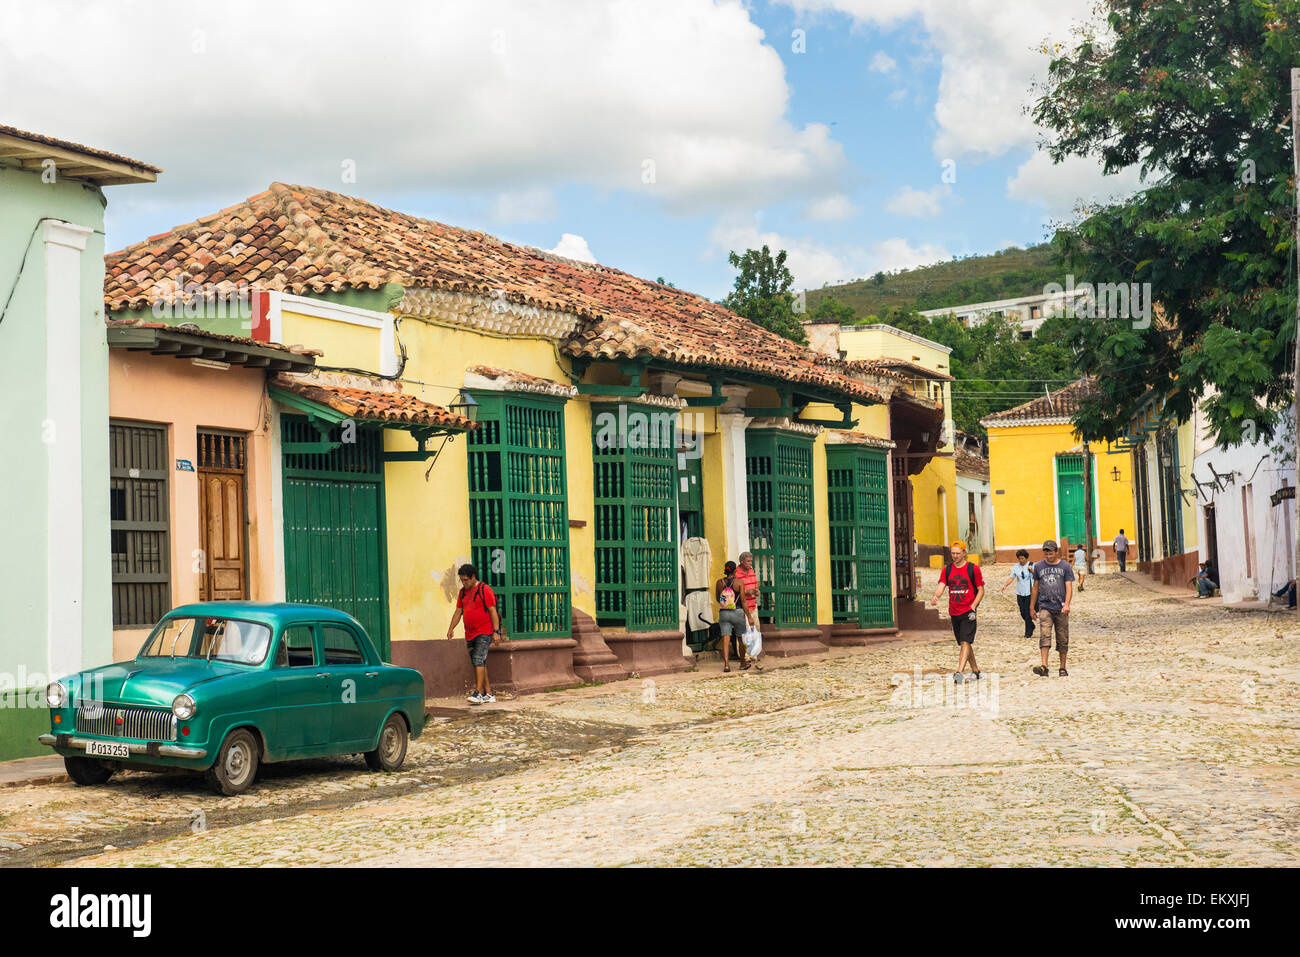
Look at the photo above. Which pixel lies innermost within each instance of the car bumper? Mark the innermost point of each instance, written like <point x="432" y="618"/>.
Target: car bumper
<point x="150" y="748"/>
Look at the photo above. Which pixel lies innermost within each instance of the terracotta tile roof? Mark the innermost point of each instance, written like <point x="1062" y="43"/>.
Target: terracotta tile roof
<point x="1061" y="404"/>
<point x="69" y="146"/>
<point x="374" y="405"/>
<point x="304" y="240"/>
<point x="521" y="381"/>
<point x="971" y="464"/>
<point x="193" y="330"/>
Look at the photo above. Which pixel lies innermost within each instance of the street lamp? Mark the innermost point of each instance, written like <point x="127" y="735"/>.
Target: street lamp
<point x="1114" y="474"/>
<point x="465" y="406"/>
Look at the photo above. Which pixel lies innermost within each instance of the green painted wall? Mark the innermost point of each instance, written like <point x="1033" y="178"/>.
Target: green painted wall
<point x="24" y="200"/>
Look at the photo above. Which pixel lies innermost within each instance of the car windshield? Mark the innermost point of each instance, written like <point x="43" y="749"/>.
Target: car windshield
<point x="216" y="639"/>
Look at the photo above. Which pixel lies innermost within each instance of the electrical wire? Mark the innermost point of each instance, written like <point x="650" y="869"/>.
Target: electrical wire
<point x="23" y="264"/>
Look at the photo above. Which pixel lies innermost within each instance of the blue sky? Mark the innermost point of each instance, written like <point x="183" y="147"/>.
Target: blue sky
<point x="511" y="118"/>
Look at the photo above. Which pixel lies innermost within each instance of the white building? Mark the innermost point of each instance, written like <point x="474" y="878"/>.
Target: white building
<point x="1245" y="511"/>
<point x="1029" y="311"/>
<point x="974" y="502"/>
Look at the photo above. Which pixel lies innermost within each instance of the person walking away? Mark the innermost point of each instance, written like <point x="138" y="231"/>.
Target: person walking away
<point x="1023" y="575"/>
<point x="1205" y="585"/>
<point x="748" y="576"/>
<point x="965" y="584"/>
<point x="1053" y="589"/>
<point x="1080" y="565"/>
<point x="733" y="614"/>
<point x="476" y="605"/>
<point x="1121" y="550"/>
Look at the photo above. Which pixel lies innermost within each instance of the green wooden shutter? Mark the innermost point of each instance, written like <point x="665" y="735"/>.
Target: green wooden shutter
<point x="635" y="498"/>
<point x="858" y="499"/>
<point x="519" y="519"/>
<point x="779" y="490"/>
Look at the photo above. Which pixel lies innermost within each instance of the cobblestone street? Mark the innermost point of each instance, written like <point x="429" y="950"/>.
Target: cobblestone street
<point x="1173" y="742"/>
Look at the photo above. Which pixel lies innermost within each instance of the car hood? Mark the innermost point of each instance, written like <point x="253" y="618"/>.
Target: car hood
<point x="151" y="681"/>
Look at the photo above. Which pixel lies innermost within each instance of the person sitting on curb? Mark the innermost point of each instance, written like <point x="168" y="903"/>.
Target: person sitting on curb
<point x="1205" y="585"/>
<point x="965" y="584"/>
<point x="1289" y="591"/>
<point x="1053" y="589"/>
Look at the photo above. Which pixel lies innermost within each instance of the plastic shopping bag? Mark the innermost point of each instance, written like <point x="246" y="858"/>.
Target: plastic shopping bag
<point x="753" y="642"/>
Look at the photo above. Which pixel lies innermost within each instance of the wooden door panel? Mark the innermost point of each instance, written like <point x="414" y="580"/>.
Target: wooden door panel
<point x="221" y="504"/>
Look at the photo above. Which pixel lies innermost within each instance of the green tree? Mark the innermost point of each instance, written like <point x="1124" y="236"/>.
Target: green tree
<point x="762" y="292"/>
<point x="1196" y="93"/>
<point x="832" y="310"/>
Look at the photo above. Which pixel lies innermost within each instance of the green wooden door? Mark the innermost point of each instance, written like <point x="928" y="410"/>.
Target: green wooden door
<point x="334" y="548"/>
<point x="1070" y="497"/>
<point x="858" y="501"/>
<point x="636" y="489"/>
<point x="519" y="519"/>
<point x="779" y="490"/>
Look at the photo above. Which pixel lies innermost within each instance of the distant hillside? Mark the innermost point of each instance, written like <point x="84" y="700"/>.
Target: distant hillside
<point x="1002" y="275"/>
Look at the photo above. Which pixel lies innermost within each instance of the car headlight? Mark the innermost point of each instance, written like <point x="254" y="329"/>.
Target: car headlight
<point x="56" y="694"/>
<point x="183" y="707"/>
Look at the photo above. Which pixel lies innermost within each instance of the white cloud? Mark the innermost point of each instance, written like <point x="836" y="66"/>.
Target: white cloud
<point x="919" y="203"/>
<point x="990" y="55"/>
<point x="882" y="62"/>
<point x="479" y="96"/>
<point x="525" y="206"/>
<point x="814" y="263"/>
<point x="1060" y="188"/>
<point x="830" y="209"/>
<point x="573" y="246"/>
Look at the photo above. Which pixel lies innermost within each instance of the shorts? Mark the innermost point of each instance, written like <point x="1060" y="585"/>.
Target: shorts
<point x="963" y="627"/>
<point x="1047" y="620"/>
<point x="478" y="649"/>
<point x="732" y="621"/>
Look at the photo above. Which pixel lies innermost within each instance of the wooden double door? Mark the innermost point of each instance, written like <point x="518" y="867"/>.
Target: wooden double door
<point x="223" y="516"/>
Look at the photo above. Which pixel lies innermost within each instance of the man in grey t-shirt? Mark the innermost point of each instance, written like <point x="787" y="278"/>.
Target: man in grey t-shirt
<point x="1121" y="549"/>
<point x="1050" y="597"/>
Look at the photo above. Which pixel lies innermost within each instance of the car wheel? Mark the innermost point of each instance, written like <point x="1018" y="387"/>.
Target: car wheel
<point x="89" y="770"/>
<point x="236" y="765"/>
<point x="391" y="752"/>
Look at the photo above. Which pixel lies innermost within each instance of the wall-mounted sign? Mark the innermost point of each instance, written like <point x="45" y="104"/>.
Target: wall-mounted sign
<point x="1282" y="494"/>
<point x="184" y="465"/>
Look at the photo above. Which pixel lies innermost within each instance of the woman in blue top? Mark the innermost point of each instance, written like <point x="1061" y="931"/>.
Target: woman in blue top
<point x="1023" y="575"/>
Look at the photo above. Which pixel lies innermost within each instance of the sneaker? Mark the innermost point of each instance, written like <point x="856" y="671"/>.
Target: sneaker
<point x="958" y="678"/>
<point x="475" y="698"/>
<point x="976" y="675"/>
<point x="488" y="698"/>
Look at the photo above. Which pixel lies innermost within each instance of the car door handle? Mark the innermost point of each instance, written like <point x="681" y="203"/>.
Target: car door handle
<point x="372" y="674"/>
<point x="322" y="674"/>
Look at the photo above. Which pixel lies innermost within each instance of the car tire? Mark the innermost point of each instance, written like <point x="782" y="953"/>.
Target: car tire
<point x="236" y="766"/>
<point x="391" y="750"/>
<point x="87" y="771"/>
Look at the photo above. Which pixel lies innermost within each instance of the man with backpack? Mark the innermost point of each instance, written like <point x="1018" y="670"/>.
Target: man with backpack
<point x="965" y="584"/>
<point x="477" y="606"/>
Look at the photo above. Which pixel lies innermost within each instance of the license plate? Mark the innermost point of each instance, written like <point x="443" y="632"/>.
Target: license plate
<point x="105" y="749"/>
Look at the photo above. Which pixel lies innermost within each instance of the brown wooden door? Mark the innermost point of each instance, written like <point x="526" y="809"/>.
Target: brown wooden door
<point x="222" y="517"/>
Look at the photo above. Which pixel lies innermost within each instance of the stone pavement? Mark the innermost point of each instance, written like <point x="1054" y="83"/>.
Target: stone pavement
<point x="1173" y="741"/>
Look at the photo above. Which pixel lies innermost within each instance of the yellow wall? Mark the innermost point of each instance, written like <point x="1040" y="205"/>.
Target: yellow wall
<point x="928" y="519"/>
<point x="1021" y="468"/>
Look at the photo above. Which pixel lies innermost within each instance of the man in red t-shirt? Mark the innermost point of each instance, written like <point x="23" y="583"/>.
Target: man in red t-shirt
<point x="965" y="586"/>
<point x="477" y="605"/>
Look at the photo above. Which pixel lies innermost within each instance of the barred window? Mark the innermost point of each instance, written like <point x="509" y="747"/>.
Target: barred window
<point x="138" y="511"/>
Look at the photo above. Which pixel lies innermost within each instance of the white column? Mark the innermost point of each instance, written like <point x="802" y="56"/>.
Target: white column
<point x="388" y="357"/>
<point x="277" y="506"/>
<point x="732" y="429"/>
<point x="64" y="244"/>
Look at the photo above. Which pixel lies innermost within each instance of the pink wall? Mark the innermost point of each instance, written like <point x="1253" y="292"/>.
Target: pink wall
<point x="185" y="397"/>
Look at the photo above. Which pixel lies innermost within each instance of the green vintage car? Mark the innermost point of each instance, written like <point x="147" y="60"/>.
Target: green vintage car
<point x="223" y="687"/>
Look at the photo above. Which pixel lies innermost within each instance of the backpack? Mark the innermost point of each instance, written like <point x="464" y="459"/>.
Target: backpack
<point x="728" y="597"/>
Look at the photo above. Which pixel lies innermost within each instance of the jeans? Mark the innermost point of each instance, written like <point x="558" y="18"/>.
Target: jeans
<point x="1026" y="613"/>
<point x="1205" y="587"/>
<point x="1121" y="556"/>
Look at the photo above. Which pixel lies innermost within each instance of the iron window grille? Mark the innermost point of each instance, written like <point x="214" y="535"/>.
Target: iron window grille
<point x="779" y="489"/>
<point x="138" y="522"/>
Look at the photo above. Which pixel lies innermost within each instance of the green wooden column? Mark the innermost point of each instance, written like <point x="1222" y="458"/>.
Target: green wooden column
<point x="634" y="459"/>
<point x="858" y="500"/>
<point x="519" y="519"/>
<point x="779" y="490"/>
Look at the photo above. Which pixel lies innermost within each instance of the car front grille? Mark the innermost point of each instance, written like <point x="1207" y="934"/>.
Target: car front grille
<point x="122" y="721"/>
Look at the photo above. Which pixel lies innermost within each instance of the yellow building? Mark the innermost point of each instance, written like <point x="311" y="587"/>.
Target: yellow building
<point x="617" y="420"/>
<point x="1037" y="464"/>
